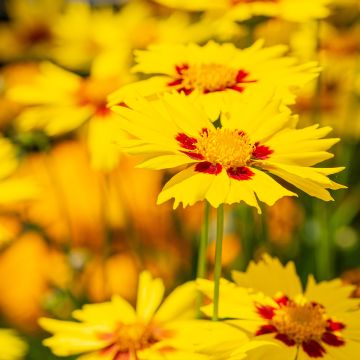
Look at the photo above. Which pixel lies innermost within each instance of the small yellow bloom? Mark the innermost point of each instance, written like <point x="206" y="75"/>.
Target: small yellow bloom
<point x="13" y="188"/>
<point x="35" y="268"/>
<point x="29" y="33"/>
<point x="321" y="322"/>
<point x="154" y="331"/>
<point x="234" y="160"/>
<point x="12" y="347"/>
<point x="215" y="71"/>
<point x="60" y="101"/>
<point x="84" y="33"/>
<point x="239" y="10"/>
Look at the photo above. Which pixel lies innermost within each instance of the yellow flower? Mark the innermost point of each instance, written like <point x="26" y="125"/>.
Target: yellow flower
<point x="216" y="70"/>
<point x="29" y="33"/>
<point x="291" y="10"/>
<point x="12" y="347"/>
<point x="232" y="161"/>
<point x="13" y="188"/>
<point x="115" y="330"/>
<point x="60" y="101"/>
<point x="84" y="32"/>
<point x="321" y="322"/>
<point x="42" y="269"/>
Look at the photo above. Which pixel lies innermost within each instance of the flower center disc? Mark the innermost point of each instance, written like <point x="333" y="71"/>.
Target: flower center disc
<point x="230" y="148"/>
<point x="134" y="337"/>
<point x="208" y="77"/>
<point x="300" y="323"/>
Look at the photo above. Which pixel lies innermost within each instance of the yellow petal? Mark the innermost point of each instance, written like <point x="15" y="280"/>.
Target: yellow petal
<point x="150" y="295"/>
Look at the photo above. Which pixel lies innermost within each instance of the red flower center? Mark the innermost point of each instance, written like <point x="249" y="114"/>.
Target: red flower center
<point x="222" y="148"/>
<point x="301" y="324"/>
<point x="127" y="339"/>
<point x="208" y="78"/>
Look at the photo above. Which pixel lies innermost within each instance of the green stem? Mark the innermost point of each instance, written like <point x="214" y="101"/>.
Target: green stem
<point x="201" y="264"/>
<point x="218" y="255"/>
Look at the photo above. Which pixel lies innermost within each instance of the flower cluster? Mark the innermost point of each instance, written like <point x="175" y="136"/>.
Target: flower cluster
<point x="113" y="114"/>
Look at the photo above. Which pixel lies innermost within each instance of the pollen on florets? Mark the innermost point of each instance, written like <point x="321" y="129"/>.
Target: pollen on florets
<point x="209" y="77"/>
<point x="227" y="147"/>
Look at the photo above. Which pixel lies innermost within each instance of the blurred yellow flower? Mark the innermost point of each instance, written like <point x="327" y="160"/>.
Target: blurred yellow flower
<point x="283" y="221"/>
<point x="115" y="330"/>
<point x="13" y="188"/>
<point x="35" y="268"/>
<point x="60" y="101"/>
<point x="116" y="274"/>
<point x="29" y="33"/>
<point x="84" y="33"/>
<point x="73" y="203"/>
<point x="12" y="347"/>
<point x="321" y="322"/>
<point x="239" y="10"/>
<point x="230" y="162"/>
<point x="215" y="71"/>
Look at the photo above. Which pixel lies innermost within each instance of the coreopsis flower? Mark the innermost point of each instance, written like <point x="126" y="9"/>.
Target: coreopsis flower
<point x="320" y="322"/>
<point x="12" y="347"/>
<point x="43" y="269"/>
<point x="84" y="33"/>
<point x="115" y="330"/>
<point x="28" y="33"/>
<point x="59" y="101"/>
<point x="13" y="188"/>
<point x="215" y="70"/>
<point x="229" y="161"/>
<point x="291" y="10"/>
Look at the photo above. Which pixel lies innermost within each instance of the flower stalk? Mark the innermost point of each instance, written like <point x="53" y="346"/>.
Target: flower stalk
<point x="218" y="256"/>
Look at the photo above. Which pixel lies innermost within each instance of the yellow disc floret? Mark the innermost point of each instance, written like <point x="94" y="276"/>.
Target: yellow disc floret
<point x="208" y="77"/>
<point x="227" y="147"/>
<point x="134" y="337"/>
<point x="301" y="322"/>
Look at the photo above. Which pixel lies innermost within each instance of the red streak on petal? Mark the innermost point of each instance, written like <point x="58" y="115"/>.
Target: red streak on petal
<point x="241" y="75"/>
<point x="180" y="68"/>
<point x="185" y="91"/>
<point x="237" y="88"/>
<point x="123" y="104"/>
<point x="283" y="300"/>
<point x="108" y="350"/>
<point x="186" y="142"/>
<point x="313" y="349"/>
<point x="193" y="155"/>
<point x="122" y="356"/>
<point x="261" y="152"/>
<point x="103" y="111"/>
<point x="208" y="168"/>
<point x="285" y="339"/>
<point x="175" y="82"/>
<point x="240" y="173"/>
<point x="331" y="339"/>
<point x="334" y="325"/>
<point x="266" y="311"/>
<point x="266" y="329"/>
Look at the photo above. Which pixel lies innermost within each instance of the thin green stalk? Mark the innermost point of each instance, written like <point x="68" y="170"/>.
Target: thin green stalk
<point x="218" y="256"/>
<point x="201" y="264"/>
